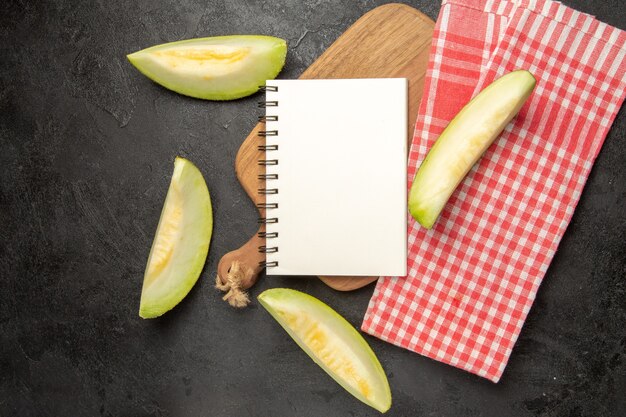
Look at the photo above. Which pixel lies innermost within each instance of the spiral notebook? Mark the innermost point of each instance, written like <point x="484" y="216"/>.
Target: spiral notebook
<point x="335" y="178"/>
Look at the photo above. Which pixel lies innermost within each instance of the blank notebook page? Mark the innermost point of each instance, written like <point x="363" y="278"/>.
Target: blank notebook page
<point x="341" y="186"/>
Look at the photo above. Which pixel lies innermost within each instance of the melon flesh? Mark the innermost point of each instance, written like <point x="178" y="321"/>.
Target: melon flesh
<point x="463" y="142"/>
<point x="181" y="242"/>
<point x="217" y="68"/>
<point x="332" y="343"/>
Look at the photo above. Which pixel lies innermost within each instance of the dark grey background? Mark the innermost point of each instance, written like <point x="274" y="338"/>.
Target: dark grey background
<point x="87" y="145"/>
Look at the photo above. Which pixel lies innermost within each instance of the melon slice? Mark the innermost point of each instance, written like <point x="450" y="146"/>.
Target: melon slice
<point x="181" y="243"/>
<point x="332" y="343"/>
<point x="217" y="68"/>
<point x="463" y="142"/>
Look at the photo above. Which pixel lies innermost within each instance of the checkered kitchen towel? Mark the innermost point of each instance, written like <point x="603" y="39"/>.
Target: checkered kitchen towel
<point x="473" y="277"/>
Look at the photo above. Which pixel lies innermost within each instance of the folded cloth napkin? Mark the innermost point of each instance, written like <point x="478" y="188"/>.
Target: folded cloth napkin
<point x="473" y="277"/>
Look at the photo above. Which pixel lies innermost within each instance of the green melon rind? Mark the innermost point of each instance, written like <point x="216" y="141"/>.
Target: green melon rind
<point x="267" y="67"/>
<point x="274" y="297"/>
<point x="159" y="299"/>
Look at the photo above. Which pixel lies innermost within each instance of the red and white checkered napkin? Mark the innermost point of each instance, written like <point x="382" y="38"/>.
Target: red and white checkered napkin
<point x="473" y="278"/>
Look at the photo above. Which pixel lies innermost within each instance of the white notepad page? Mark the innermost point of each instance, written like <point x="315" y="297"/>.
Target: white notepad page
<point x="341" y="166"/>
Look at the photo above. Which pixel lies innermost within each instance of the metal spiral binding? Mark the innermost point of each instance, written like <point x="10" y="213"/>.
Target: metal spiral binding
<point x="263" y="177"/>
<point x="267" y="249"/>
<point x="268" y="191"/>
<point x="267" y="177"/>
<point x="267" y="162"/>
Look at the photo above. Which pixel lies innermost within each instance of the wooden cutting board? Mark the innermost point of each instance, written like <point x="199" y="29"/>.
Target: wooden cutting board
<point x="389" y="41"/>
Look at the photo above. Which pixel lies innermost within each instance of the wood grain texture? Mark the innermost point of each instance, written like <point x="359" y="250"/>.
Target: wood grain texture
<point x="388" y="42"/>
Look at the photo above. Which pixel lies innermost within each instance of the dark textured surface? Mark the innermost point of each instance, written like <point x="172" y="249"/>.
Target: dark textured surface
<point x="87" y="145"/>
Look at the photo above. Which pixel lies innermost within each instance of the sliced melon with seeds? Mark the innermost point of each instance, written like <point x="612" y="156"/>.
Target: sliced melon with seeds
<point x="217" y="68"/>
<point x="181" y="243"/>
<point x="332" y="343"/>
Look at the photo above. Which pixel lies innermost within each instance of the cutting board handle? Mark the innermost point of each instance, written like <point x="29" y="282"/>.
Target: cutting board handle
<point x="238" y="270"/>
